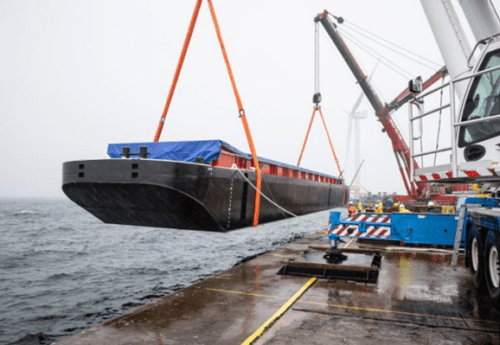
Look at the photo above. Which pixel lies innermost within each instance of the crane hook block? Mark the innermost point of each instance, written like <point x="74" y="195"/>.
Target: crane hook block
<point x="317" y="98"/>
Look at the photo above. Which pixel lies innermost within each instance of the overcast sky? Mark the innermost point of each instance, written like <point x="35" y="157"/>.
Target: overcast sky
<point x="79" y="74"/>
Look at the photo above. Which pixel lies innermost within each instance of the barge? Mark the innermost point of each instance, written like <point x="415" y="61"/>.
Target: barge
<point x="194" y="185"/>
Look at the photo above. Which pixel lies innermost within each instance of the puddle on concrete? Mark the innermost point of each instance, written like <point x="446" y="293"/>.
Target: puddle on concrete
<point x="353" y="259"/>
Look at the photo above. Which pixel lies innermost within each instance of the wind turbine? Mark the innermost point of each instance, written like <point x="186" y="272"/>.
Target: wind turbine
<point x="355" y="116"/>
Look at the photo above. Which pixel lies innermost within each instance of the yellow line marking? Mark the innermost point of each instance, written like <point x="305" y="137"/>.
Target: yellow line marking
<point x="280" y="312"/>
<point x="348" y="244"/>
<point x="376" y="310"/>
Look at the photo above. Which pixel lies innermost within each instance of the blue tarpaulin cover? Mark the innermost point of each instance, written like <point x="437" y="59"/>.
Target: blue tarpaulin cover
<point x="187" y="151"/>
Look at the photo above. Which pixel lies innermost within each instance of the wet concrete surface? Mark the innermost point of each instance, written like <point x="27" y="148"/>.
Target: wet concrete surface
<point x="418" y="299"/>
<point x="353" y="259"/>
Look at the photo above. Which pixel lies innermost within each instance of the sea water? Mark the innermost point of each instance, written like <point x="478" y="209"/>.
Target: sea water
<point x="62" y="270"/>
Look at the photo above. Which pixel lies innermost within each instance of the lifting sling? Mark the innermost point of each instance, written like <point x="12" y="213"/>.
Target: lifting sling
<point x="241" y="111"/>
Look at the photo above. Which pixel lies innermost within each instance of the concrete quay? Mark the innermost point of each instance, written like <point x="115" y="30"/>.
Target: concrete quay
<point x="418" y="299"/>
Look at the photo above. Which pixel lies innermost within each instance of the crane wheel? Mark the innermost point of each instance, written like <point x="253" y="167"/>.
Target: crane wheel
<point x="492" y="265"/>
<point x="476" y="262"/>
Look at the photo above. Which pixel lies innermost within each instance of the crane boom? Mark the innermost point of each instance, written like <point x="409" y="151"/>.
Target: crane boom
<point x="400" y="147"/>
<point x="407" y="95"/>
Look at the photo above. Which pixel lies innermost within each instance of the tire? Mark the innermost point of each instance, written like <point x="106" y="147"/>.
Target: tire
<point x="476" y="262"/>
<point x="492" y="265"/>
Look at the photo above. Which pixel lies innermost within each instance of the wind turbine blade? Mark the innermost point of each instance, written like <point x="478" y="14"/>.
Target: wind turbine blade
<point x="351" y="116"/>
<point x="357" y="103"/>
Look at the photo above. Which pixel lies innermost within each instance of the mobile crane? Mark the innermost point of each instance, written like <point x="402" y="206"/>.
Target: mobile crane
<point x="474" y="110"/>
<point x="382" y="111"/>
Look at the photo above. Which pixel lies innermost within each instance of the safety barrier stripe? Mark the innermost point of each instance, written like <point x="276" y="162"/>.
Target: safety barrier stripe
<point x="461" y="173"/>
<point x="339" y="232"/>
<point x="364" y="219"/>
<point x="372" y="231"/>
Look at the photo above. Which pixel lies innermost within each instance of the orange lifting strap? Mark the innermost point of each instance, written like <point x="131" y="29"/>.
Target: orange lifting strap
<point x="236" y="94"/>
<point x="318" y="108"/>
<point x="185" y="46"/>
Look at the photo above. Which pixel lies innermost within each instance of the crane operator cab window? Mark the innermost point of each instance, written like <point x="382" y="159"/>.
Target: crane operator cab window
<point x="482" y="101"/>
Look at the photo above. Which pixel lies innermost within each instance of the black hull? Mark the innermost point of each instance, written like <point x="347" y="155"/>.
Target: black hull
<point x="188" y="196"/>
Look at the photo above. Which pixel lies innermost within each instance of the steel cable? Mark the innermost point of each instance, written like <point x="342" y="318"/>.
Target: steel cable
<point x="395" y="51"/>
<point x="275" y="204"/>
<point x="383" y="39"/>
<point x="439" y="124"/>
<point x="376" y="55"/>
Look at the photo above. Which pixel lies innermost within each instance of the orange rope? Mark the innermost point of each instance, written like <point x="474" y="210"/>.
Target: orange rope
<point x="178" y="69"/>
<point x="334" y="155"/>
<point x="242" y="116"/>
<point x="318" y="108"/>
<point x="330" y="141"/>
<point x="307" y="135"/>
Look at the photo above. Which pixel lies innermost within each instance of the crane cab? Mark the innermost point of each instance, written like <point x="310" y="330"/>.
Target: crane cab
<point x="474" y="125"/>
<point x="478" y="137"/>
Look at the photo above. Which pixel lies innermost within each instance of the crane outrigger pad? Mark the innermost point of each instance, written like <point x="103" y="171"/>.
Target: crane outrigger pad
<point x="357" y="273"/>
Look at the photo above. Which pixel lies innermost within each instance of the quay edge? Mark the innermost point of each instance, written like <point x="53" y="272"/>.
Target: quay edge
<point x="417" y="299"/>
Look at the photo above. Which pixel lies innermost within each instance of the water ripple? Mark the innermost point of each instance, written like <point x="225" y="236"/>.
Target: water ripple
<point x="62" y="270"/>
